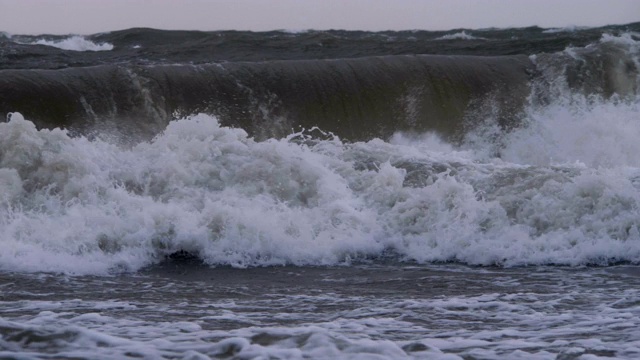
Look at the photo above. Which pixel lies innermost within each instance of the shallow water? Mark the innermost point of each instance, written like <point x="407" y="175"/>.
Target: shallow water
<point x="375" y="311"/>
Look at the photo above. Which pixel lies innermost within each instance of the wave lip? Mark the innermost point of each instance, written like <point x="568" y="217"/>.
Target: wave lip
<point x="356" y="99"/>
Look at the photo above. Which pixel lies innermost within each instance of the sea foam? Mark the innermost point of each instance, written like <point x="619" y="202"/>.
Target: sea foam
<point x="75" y="43"/>
<point x="462" y="35"/>
<point x="563" y="190"/>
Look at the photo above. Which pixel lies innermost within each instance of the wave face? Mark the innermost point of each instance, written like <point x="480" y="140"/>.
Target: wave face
<point x="354" y="98"/>
<point x="486" y="160"/>
<point x="152" y="77"/>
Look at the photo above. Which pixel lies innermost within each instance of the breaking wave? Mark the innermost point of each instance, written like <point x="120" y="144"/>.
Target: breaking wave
<point x="75" y="43"/>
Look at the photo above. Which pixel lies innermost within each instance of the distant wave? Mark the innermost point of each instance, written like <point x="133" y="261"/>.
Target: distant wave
<point x="204" y="47"/>
<point x="462" y="35"/>
<point x="565" y="29"/>
<point x="75" y="43"/>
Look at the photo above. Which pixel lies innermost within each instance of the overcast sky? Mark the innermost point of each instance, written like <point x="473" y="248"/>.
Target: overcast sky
<point x="91" y="16"/>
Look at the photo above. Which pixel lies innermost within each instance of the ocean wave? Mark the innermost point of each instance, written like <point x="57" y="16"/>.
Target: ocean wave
<point x="76" y="205"/>
<point x="572" y="28"/>
<point x="462" y="35"/>
<point x="356" y="99"/>
<point x="508" y="161"/>
<point x="202" y="47"/>
<point x="74" y="43"/>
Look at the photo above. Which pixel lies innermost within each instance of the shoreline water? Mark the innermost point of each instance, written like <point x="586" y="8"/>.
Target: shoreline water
<point x="383" y="311"/>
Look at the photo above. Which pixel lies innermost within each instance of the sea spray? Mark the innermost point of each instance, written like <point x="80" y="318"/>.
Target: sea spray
<point x="87" y="206"/>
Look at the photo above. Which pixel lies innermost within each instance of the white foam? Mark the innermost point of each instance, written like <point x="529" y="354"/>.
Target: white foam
<point x="548" y="314"/>
<point x="426" y="141"/>
<point x="295" y="31"/>
<point x="462" y="35"/>
<point x="564" y="191"/>
<point x="631" y="39"/>
<point x="596" y="135"/>
<point x="75" y="43"/>
<point x="571" y="28"/>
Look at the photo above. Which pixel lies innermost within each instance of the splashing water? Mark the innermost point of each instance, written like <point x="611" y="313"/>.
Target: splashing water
<point x="564" y="191"/>
<point x="75" y="43"/>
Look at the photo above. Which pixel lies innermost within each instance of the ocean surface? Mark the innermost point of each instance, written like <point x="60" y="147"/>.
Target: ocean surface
<point x="463" y="194"/>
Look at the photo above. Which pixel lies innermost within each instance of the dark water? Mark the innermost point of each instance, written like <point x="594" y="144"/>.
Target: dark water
<point x="143" y="46"/>
<point x="358" y="85"/>
<point x="468" y="194"/>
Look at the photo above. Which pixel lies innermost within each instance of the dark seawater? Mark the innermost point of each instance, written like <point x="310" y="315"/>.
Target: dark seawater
<point x="358" y="85"/>
<point x="468" y="194"/>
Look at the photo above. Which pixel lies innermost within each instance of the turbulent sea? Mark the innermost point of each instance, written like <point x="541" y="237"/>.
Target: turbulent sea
<point x="464" y="194"/>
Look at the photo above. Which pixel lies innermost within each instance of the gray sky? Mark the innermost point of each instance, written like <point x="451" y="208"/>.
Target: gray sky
<point x="91" y="16"/>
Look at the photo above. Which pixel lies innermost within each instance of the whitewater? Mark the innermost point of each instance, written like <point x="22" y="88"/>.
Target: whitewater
<point x="490" y="239"/>
<point x="564" y="191"/>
